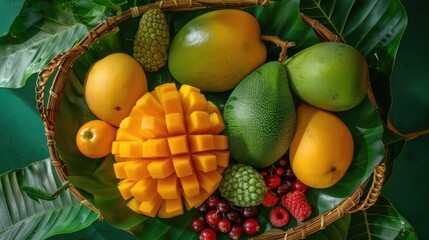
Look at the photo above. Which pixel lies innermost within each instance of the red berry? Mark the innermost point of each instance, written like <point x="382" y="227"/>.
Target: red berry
<point x="297" y="204"/>
<point x="224" y="225"/>
<point x="264" y="172"/>
<point x="236" y="232"/>
<point x="213" y="217"/>
<point x="279" y="216"/>
<point x="283" y="188"/>
<point x="282" y="163"/>
<point x="233" y="215"/>
<point x="203" y="208"/>
<point x="272" y="181"/>
<point x="250" y="226"/>
<point x="297" y="185"/>
<point x="270" y="199"/>
<point x="223" y="206"/>
<point x="197" y="224"/>
<point x="208" y="234"/>
<point x="249" y="212"/>
<point x="279" y="171"/>
<point x="212" y="201"/>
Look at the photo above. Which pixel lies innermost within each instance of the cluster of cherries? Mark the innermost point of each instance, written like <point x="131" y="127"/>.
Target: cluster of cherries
<point x="220" y="216"/>
<point x="280" y="179"/>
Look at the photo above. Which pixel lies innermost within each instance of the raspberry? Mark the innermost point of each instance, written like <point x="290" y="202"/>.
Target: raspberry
<point x="279" y="216"/>
<point x="297" y="204"/>
<point x="270" y="199"/>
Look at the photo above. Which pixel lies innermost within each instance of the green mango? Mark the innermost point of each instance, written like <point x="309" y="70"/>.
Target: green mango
<point x="260" y="116"/>
<point x="329" y="75"/>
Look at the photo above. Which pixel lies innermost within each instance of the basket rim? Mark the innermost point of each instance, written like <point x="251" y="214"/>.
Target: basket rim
<point x="62" y="64"/>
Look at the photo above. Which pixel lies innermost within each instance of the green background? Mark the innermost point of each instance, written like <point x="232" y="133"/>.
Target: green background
<point x="22" y="139"/>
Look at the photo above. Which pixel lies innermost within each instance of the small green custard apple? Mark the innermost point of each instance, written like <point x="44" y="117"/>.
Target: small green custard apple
<point x="242" y="185"/>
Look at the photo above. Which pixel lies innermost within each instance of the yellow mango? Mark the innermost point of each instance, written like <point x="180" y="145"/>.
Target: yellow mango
<point x="171" y="103"/>
<point x="212" y="108"/>
<point x="185" y="90"/>
<point x="222" y="158"/>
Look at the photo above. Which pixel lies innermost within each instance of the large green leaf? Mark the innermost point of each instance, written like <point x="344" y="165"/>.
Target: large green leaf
<point x="381" y="221"/>
<point x="25" y="218"/>
<point x="41" y="31"/>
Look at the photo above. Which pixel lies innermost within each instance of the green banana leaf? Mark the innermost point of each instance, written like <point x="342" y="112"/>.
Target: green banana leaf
<point x="25" y="218"/>
<point x="381" y="221"/>
<point x="95" y="179"/>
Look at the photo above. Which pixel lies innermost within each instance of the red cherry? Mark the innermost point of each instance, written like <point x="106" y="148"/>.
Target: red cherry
<point x="197" y="224"/>
<point x="273" y="181"/>
<point x="212" y="201"/>
<point x="213" y="217"/>
<point x="236" y="232"/>
<point x="208" y="234"/>
<point x="279" y="171"/>
<point x="297" y="185"/>
<point x="224" y="225"/>
<point x="250" y="226"/>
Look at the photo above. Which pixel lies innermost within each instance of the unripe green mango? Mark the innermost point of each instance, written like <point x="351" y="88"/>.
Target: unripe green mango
<point x="329" y="75"/>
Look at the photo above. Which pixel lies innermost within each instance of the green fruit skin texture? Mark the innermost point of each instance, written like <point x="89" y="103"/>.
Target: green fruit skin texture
<point x="260" y="116"/>
<point x="329" y="75"/>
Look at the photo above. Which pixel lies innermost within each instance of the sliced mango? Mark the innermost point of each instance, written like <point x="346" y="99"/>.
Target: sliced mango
<point x="201" y="143"/>
<point x="137" y="170"/>
<point x="170" y="151"/>
<point x="168" y="187"/>
<point x="204" y="161"/>
<point x="160" y="168"/>
<point x="197" y="122"/>
<point x="178" y="145"/>
<point x="150" y="207"/>
<point x="175" y="124"/>
<point x="190" y="185"/>
<point x="124" y="188"/>
<point x="156" y="148"/>
<point x="183" y="165"/>
<point x="171" y="208"/>
<point x="143" y="190"/>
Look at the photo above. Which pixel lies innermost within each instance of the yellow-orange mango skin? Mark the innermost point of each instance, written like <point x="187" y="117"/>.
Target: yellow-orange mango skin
<point x="216" y="50"/>
<point x="322" y="148"/>
<point x="112" y="86"/>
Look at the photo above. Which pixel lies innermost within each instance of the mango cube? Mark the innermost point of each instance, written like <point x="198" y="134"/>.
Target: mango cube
<point x="201" y="142"/>
<point x="151" y="207"/>
<point x="204" y="161"/>
<point x="160" y="168"/>
<point x="183" y="165"/>
<point x="168" y="187"/>
<point x="197" y="122"/>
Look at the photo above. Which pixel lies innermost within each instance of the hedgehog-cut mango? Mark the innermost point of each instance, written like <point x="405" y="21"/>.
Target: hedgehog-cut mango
<point x="170" y="151"/>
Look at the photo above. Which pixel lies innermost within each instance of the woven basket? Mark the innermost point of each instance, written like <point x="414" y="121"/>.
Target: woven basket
<point x="47" y="105"/>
